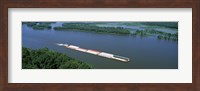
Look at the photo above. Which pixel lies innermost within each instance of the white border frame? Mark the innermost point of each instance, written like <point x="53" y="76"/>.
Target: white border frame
<point x="181" y="75"/>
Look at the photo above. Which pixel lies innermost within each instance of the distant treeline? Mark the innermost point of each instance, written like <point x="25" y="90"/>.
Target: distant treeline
<point x="48" y="59"/>
<point x="159" y="34"/>
<point x="39" y="25"/>
<point x="92" y="28"/>
<point x="164" y="24"/>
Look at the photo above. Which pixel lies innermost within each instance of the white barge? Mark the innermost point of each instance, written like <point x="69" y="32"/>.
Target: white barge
<point x="94" y="52"/>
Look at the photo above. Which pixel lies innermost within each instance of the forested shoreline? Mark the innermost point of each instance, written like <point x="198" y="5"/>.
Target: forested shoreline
<point x="48" y="59"/>
<point x="39" y="25"/>
<point x="92" y="28"/>
<point x="159" y="34"/>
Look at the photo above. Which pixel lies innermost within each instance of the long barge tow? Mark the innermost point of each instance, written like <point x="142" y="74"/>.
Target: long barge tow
<point x="94" y="52"/>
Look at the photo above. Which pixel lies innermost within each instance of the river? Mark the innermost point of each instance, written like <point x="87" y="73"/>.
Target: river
<point x="144" y="52"/>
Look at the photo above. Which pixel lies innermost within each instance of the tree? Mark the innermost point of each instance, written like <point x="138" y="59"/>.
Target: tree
<point x="47" y="59"/>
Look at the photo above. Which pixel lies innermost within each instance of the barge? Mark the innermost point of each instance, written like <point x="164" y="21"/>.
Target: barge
<point x="95" y="52"/>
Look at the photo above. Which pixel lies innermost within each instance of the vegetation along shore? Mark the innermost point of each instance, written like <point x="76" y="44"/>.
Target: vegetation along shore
<point x="48" y="59"/>
<point x="93" y="27"/>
